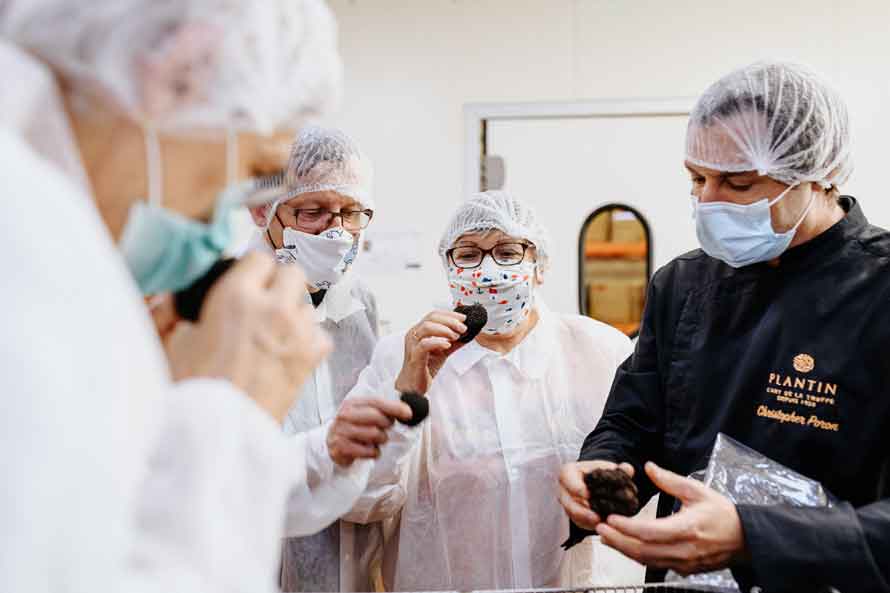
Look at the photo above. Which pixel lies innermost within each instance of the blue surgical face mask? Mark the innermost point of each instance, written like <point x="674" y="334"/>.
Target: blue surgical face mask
<point x="742" y="234"/>
<point x="166" y="251"/>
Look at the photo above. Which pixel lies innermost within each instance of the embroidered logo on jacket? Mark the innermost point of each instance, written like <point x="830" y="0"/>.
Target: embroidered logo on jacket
<point x="804" y="363"/>
<point x="792" y="394"/>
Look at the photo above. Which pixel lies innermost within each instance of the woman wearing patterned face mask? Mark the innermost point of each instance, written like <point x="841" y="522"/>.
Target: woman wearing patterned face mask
<point x="473" y="485"/>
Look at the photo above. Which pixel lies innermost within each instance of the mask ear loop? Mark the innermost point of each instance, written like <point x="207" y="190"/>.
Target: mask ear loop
<point x="231" y="156"/>
<point x="153" y="164"/>
<point x="281" y="224"/>
<point x="779" y="197"/>
<point x="805" y="212"/>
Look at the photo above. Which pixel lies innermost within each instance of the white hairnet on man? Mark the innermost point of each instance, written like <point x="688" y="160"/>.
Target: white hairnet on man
<point x="125" y="471"/>
<point x="317" y="224"/>
<point x="472" y="488"/>
<point x="777" y="119"/>
<point x="788" y="291"/>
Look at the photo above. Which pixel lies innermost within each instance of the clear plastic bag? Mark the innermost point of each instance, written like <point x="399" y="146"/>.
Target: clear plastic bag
<point x="745" y="476"/>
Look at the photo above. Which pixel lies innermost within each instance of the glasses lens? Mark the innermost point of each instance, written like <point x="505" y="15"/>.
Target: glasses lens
<point x="356" y="219"/>
<point x="313" y="218"/>
<point x="466" y="257"/>
<point x="508" y="254"/>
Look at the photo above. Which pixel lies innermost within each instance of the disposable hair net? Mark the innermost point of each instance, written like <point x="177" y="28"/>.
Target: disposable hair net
<point x="33" y="110"/>
<point x="327" y="159"/>
<point x="183" y="64"/>
<point x="497" y="210"/>
<point x="778" y="119"/>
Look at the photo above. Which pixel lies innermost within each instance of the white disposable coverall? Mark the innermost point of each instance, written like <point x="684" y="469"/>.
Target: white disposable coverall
<point x="475" y="484"/>
<point x="116" y="479"/>
<point x="339" y="557"/>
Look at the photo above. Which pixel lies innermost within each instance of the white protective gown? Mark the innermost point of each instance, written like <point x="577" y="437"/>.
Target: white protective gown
<point x="116" y="479"/>
<point x="338" y="558"/>
<point x="474" y="486"/>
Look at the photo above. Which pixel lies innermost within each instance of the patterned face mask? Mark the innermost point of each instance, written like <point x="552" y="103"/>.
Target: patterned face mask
<point x="324" y="257"/>
<point x="506" y="292"/>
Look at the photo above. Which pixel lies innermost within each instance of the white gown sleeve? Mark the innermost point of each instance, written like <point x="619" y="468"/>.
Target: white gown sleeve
<point x="386" y="489"/>
<point x="210" y="512"/>
<point x="322" y="491"/>
<point x="116" y="480"/>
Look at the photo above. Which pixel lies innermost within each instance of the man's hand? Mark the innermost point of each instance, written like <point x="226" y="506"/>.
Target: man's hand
<point x="360" y="428"/>
<point x="706" y="534"/>
<point x="573" y="494"/>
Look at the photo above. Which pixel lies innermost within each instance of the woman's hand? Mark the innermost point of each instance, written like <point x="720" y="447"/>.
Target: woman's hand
<point x="427" y="345"/>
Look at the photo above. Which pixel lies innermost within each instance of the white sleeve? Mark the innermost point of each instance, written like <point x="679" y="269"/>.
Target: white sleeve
<point x="386" y="489"/>
<point x="210" y="512"/>
<point x="322" y="491"/>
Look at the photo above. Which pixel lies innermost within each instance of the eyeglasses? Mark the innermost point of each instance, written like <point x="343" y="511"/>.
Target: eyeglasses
<point x="320" y="218"/>
<point x="504" y="254"/>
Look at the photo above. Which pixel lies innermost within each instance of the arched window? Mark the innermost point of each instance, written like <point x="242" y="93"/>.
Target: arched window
<point x="614" y="264"/>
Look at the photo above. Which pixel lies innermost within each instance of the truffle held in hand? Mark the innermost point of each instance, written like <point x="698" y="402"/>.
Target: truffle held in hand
<point x="189" y="300"/>
<point x="420" y="408"/>
<point x="611" y="491"/>
<point x="476" y="319"/>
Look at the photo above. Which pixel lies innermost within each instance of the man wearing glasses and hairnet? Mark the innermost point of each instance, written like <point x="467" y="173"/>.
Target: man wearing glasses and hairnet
<point x="124" y="471"/>
<point x="317" y="224"/>
<point x="775" y="333"/>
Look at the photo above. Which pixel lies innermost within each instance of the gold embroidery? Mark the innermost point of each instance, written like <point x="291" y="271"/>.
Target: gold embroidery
<point x="804" y="363"/>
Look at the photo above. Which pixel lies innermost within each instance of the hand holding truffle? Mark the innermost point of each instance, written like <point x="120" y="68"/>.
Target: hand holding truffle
<point x="429" y="343"/>
<point x="360" y="426"/>
<point x="587" y="488"/>
<point x="706" y="534"/>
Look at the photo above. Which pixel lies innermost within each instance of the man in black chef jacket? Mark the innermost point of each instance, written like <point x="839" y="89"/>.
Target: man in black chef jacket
<point x="777" y="333"/>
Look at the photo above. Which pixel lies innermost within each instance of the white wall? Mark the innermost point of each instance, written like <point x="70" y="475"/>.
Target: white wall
<point x="411" y="65"/>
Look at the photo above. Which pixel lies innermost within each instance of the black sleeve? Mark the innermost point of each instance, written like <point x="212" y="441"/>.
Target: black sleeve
<point x="631" y="426"/>
<point x="796" y="549"/>
<point x="633" y="421"/>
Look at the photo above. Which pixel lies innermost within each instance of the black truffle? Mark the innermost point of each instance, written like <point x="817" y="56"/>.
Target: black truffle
<point x="420" y="408"/>
<point x="611" y="491"/>
<point x="476" y="319"/>
<point x="189" y="300"/>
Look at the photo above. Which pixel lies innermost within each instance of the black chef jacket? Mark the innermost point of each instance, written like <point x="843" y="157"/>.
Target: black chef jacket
<point x="792" y="360"/>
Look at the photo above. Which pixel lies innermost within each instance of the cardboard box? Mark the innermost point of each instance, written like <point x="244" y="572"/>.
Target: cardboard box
<point x="600" y="228"/>
<point x="607" y="270"/>
<point x="616" y="302"/>
<point x="627" y="230"/>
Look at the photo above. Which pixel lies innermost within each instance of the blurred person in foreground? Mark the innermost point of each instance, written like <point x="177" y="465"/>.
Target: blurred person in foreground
<point x="124" y="471"/>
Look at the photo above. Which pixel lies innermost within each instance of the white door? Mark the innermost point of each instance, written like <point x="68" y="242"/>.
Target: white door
<point x="567" y="167"/>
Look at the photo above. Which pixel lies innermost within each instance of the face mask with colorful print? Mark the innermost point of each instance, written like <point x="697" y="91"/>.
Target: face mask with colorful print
<point x="506" y="292"/>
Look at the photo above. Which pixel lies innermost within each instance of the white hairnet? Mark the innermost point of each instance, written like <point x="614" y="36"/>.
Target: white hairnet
<point x="497" y="210"/>
<point x="778" y="119"/>
<point x="33" y="110"/>
<point x="181" y="64"/>
<point x="327" y="159"/>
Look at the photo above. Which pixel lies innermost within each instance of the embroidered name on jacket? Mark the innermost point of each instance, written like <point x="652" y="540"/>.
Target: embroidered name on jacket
<point x="808" y="394"/>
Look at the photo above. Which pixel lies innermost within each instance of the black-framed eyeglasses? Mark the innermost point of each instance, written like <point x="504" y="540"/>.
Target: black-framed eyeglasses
<point x="321" y="218"/>
<point x="504" y="254"/>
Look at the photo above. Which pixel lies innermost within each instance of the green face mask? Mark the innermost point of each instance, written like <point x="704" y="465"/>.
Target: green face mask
<point x="166" y="251"/>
